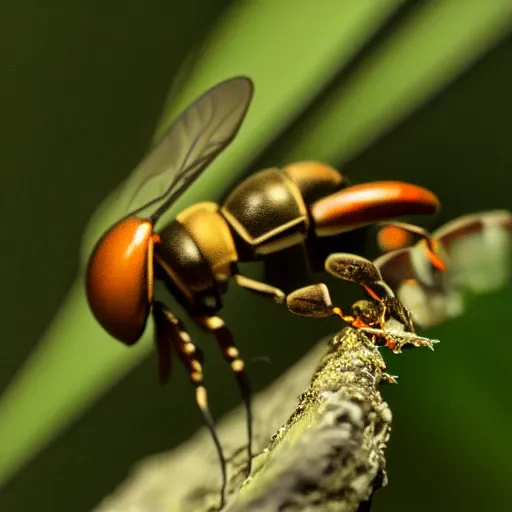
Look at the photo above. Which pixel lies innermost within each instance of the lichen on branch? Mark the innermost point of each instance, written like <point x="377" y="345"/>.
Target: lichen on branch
<point x="330" y="453"/>
<point x="324" y="452"/>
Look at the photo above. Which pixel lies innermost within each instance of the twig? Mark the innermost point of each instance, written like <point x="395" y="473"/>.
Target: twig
<point x="328" y="456"/>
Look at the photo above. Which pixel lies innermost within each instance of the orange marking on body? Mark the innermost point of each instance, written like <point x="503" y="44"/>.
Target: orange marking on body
<point x="366" y="203"/>
<point x="432" y="248"/>
<point x="337" y="311"/>
<point x="372" y="294"/>
<point x="436" y="260"/>
<point x="391" y="238"/>
<point x="359" y="323"/>
<point x="390" y="344"/>
<point x="119" y="277"/>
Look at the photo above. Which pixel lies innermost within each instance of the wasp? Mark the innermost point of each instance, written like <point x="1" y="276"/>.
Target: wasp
<point x="196" y="254"/>
<point x="433" y="274"/>
<point x="383" y="316"/>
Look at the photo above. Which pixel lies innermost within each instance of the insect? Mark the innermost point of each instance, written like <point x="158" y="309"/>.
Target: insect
<point x="196" y="254"/>
<point x="434" y="276"/>
<point x="383" y="316"/>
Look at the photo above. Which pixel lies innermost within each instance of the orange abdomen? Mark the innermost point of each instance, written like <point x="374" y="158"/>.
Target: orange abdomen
<point x="368" y="203"/>
<point x="119" y="281"/>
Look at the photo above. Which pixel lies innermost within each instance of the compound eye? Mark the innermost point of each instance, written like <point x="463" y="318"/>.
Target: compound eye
<point x="119" y="281"/>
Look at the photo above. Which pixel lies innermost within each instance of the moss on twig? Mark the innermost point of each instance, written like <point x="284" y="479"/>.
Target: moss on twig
<point x="328" y="454"/>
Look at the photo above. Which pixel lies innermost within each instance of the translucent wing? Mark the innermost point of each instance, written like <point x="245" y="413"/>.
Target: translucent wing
<point x="479" y="249"/>
<point x="424" y="290"/>
<point x="398" y="266"/>
<point x="192" y="142"/>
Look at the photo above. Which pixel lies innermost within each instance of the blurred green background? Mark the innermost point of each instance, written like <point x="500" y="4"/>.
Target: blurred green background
<point x="413" y="90"/>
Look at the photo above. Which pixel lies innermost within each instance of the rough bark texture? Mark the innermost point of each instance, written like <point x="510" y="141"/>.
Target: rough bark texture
<point x="324" y="453"/>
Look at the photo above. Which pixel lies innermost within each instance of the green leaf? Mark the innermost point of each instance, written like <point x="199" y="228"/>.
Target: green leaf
<point x="426" y="52"/>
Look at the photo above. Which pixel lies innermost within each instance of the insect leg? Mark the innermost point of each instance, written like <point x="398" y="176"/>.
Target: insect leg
<point x="267" y="291"/>
<point x="225" y="340"/>
<point x="169" y="329"/>
<point x="314" y="301"/>
<point x="163" y="349"/>
<point x="382" y="315"/>
<point x="388" y="237"/>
